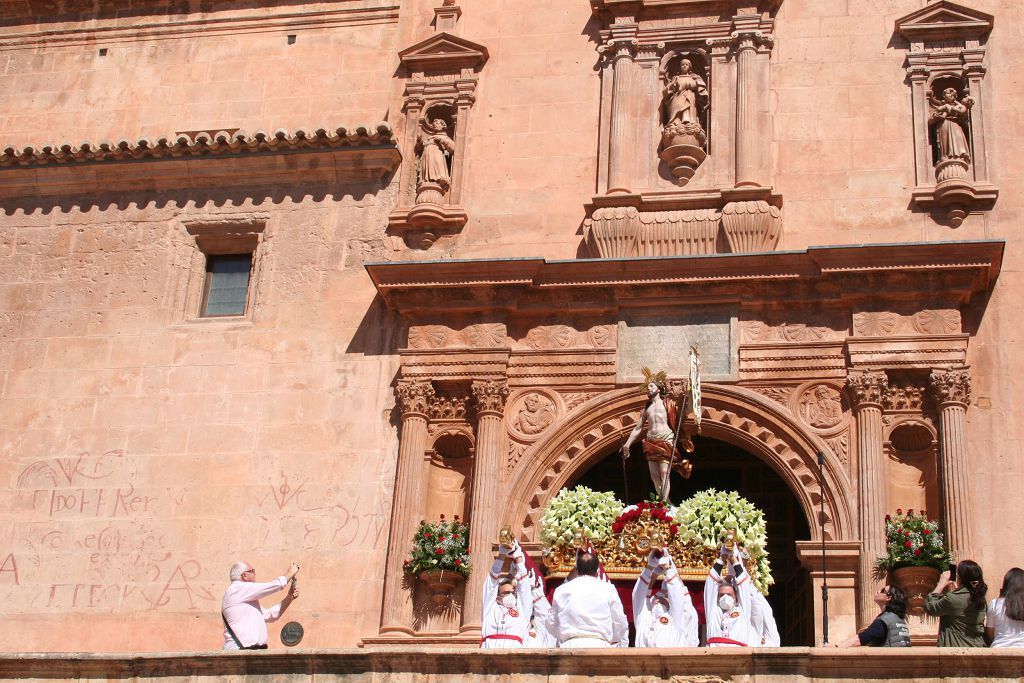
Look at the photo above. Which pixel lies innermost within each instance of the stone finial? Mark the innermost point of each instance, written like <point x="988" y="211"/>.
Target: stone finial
<point x="414" y="397"/>
<point x="867" y="388"/>
<point x="446" y="16"/>
<point x="489" y="396"/>
<point x="951" y="386"/>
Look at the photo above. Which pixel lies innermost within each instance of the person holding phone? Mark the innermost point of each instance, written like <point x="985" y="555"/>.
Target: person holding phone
<point x="959" y="602"/>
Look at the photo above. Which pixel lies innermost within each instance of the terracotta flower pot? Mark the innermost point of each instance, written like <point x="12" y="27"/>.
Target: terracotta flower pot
<point x="441" y="583"/>
<point x="917" y="582"/>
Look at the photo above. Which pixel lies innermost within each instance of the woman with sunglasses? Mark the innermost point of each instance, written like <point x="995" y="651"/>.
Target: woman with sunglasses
<point x="889" y="629"/>
<point x="960" y="606"/>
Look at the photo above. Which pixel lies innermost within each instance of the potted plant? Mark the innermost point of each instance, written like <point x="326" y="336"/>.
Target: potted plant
<point x="915" y="555"/>
<point x="440" y="557"/>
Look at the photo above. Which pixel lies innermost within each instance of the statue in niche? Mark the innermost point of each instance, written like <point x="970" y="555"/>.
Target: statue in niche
<point x="684" y="103"/>
<point x="535" y="416"/>
<point x="435" y="148"/>
<point x="949" y="116"/>
<point x="684" y="98"/>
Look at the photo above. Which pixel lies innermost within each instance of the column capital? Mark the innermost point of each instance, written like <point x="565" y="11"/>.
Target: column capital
<point x="867" y="389"/>
<point x="489" y="396"/>
<point x="951" y="387"/>
<point x="414" y="397"/>
<point x="752" y="39"/>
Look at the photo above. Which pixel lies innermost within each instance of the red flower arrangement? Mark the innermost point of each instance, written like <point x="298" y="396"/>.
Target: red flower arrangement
<point x="656" y="510"/>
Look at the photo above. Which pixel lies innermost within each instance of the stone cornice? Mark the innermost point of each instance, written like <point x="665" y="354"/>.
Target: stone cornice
<point x="200" y="160"/>
<point x="951" y="271"/>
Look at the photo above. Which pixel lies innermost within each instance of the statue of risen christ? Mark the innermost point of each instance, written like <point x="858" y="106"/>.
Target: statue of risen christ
<point x="659" y="415"/>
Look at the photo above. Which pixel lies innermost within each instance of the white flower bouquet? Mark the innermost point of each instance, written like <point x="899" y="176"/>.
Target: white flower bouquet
<point x="579" y="508"/>
<point x="709" y="514"/>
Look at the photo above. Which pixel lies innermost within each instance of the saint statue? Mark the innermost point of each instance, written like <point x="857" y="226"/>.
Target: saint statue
<point x="949" y="117"/>
<point x="659" y="415"/>
<point x="535" y="416"/>
<point x="435" y="148"/>
<point x="684" y="98"/>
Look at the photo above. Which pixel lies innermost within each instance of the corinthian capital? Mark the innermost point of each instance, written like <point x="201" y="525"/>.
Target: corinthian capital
<point x="867" y="388"/>
<point x="489" y="396"/>
<point x="414" y="397"/>
<point x="951" y="386"/>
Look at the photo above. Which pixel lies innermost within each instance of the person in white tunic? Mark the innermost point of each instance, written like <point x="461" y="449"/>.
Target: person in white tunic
<point x="728" y="603"/>
<point x="539" y="634"/>
<point x="507" y="601"/>
<point x="586" y="612"/>
<point x="763" y="618"/>
<point x="663" y="614"/>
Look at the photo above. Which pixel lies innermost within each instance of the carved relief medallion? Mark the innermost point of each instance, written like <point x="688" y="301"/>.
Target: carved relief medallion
<point x="874" y="323"/>
<point x="820" y="406"/>
<point x="532" y="412"/>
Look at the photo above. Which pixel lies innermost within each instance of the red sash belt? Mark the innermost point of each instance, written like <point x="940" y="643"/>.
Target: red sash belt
<point x="725" y="641"/>
<point x="501" y="636"/>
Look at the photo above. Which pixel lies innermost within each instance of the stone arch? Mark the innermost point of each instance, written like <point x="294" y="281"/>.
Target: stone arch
<point x="729" y="413"/>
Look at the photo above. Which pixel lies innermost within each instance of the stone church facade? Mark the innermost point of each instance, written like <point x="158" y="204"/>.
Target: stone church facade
<point x="281" y="279"/>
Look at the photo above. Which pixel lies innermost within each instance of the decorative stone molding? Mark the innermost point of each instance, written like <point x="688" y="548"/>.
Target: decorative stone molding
<point x="443" y="408"/>
<point x="356" y="154"/>
<point x="478" y="336"/>
<point x="685" y="84"/>
<point x="414" y="398"/>
<point x="874" y="323"/>
<point x="532" y="412"/>
<point x="441" y="75"/>
<point x="951" y="387"/>
<point x="759" y="332"/>
<point x="945" y="70"/>
<point x="554" y="337"/>
<point x="867" y="388"/>
<point x="489" y="396"/>
<point x="903" y="398"/>
<point x="931" y="322"/>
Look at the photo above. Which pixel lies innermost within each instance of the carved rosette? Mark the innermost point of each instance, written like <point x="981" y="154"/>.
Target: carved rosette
<point x="867" y="388"/>
<point x="951" y="387"/>
<point x="414" y="398"/>
<point x="489" y="396"/>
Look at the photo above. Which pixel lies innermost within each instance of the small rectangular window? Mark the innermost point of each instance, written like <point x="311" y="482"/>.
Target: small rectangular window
<point x="227" y="284"/>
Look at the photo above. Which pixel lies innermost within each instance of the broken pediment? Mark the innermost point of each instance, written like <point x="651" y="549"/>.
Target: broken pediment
<point x="443" y="52"/>
<point x="944" y="21"/>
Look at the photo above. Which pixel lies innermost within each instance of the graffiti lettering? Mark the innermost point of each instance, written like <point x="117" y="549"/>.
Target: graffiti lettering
<point x="10" y="566"/>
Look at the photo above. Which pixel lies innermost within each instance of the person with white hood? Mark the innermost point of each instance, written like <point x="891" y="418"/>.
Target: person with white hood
<point x="729" y="603"/>
<point x="663" y="613"/>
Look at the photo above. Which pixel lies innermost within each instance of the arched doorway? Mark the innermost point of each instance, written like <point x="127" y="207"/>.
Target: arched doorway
<point x="723" y="466"/>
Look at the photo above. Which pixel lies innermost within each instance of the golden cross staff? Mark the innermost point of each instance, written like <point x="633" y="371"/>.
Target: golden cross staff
<point x="695" y="384"/>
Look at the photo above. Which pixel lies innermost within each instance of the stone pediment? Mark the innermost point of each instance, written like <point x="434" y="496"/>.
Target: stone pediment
<point x="944" y="20"/>
<point x="443" y="52"/>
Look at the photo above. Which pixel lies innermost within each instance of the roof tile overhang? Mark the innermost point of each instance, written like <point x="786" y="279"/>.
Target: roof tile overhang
<point x="950" y="273"/>
<point x="201" y="160"/>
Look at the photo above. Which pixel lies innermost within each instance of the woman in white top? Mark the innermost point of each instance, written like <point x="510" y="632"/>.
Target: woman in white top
<point x="1004" y="620"/>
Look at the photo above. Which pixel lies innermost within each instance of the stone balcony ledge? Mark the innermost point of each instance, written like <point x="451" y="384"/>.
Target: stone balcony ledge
<point x="401" y="664"/>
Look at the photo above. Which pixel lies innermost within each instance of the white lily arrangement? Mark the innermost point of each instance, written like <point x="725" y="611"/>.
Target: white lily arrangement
<point x="709" y="514"/>
<point x="579" y="508"/>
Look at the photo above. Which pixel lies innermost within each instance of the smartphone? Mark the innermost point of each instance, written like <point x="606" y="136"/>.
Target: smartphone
<point x="952" y="572"/>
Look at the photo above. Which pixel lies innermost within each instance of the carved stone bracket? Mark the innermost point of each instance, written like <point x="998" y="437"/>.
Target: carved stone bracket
<point x="946" y="75"/>
<point x="951" y="387"/>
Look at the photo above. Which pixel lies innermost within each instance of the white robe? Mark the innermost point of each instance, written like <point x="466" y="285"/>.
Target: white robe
<point x="497" y="619"/>
<point x="676" y="627"/>
<point x="586" y="613"/>
<point x="763" y="619"/>
<point x="540" y="634"/>
<point x="735" y="624"/>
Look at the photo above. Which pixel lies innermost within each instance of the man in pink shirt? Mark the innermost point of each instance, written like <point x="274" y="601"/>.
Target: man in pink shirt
<point x="245" y="622"/>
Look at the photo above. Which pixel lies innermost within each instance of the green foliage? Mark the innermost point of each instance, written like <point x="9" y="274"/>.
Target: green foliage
<point x="912" y="541"/>
<point x="441" y="545"/>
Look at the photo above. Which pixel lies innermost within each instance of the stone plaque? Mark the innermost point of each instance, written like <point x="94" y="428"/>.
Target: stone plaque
<point x="662" y="341"/>
<point x="291" y="633"/>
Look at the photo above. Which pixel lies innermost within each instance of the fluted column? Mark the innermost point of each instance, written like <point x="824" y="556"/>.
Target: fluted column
<point x="620" y="148"/>
<point x="866" y="390"/>
<point x="489" y="399"/>
<point x="413" y="398"/>
<point x="746" y="108"/>
<point x="952" y="392"/>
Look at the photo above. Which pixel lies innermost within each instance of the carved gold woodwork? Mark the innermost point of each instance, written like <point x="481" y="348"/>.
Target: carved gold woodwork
<point x="441" y="75"/>
<point x="946" y="71"/>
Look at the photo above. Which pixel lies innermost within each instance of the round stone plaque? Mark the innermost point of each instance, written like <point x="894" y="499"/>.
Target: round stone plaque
<point x="291" y="633"/>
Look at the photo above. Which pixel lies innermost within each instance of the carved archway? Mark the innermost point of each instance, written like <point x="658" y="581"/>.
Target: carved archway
<point x="730" y="413"/>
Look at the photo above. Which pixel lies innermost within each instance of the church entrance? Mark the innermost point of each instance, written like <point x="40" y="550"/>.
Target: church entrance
<point x="723" y="466"/>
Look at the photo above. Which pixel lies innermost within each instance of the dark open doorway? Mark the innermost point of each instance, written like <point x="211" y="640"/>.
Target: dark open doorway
<point x="723" y="466"/>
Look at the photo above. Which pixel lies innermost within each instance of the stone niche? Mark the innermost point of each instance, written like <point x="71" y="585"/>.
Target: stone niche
<point x="684" y="138"/>
<point x="441" y="75"/>
<point x="946" y="73"/>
